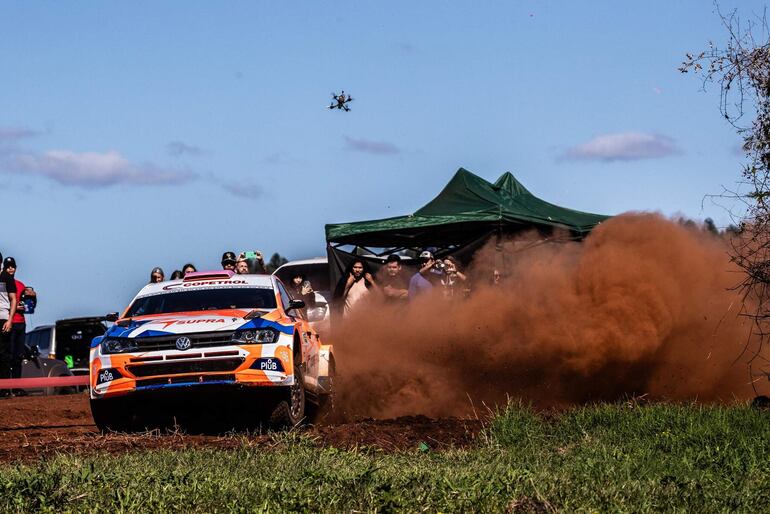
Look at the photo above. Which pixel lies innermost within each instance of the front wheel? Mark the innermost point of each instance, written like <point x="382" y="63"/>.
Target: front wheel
<point x="290" y="410"/>
<point x="112" y="415"/>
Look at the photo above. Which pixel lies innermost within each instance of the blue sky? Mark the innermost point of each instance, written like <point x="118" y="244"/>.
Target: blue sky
<point x="138" y="134"/>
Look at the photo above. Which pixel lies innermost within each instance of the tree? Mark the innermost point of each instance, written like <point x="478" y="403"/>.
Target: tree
<point x="275" y="262"/>
<point x="742" y="71"/>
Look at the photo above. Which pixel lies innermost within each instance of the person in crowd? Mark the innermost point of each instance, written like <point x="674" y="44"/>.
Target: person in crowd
<point x="228" y="261"/>
<point x="454" y="280"/>
<point x="301" y="289"/>
<point x="496" y="277"/>
<point x="18" y="323"/>
<point x="177" y="275"/>
<point x="355" y="285"/>
<point x="157" y="275"/>
<point x="8" y="304"/>
<point x="188" y="268"/>
<point x="394" y="285"/>
<point x="254" y="260"/>
<point x="242" y="265"/>
<point x="422" y="281"/>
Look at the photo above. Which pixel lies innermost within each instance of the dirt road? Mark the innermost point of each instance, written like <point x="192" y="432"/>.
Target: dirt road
<point x="34" y="427"/>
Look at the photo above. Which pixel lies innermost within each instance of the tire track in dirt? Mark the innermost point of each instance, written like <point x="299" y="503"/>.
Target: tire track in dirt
<point x="39" y="427"/>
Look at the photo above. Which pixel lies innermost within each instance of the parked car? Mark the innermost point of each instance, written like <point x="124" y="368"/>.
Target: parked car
<point x="35" y="366"/>
<point x="68" y="340"/>
<point x="316" y="271"/>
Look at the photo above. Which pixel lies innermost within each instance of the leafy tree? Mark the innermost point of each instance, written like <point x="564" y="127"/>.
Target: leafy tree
<point x="741" y="68"/>
<point x="275" y="262"/>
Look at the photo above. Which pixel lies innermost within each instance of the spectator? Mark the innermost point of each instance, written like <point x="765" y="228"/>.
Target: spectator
<point x="353" y="286"/>
<point x="157" y="275"/>
<point x="177" y="275"/>
<point x="18" y="323"/>
<point x="242" y="266"/>
<point x="8" y="303"/>
<point x="453" y="280"/>
<point x="301" y="289"/>
<point x="419" y="283"/>
<point x="496" y="278"/>
<point x="188" y="268"/>
<point x="255" y="261"/>
<point x="395" y="286"/>
<point x="228" y="261"/>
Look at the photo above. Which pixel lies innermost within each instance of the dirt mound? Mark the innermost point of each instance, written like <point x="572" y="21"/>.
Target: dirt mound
<point x="34" y="427"/>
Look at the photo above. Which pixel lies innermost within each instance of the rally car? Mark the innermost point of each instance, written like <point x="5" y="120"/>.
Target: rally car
<point x="209" y="332"/>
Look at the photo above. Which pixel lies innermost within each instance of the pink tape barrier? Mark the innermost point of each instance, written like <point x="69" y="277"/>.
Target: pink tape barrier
<point x="34" y="383"/>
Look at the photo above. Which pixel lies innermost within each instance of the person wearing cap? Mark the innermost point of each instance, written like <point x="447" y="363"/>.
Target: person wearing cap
<point x="228" y="261"/>
<point x="419" y="283"/>
<point x="157" y="275"/>
<point x="18" y="322"/>
<point x="8" y="303"/>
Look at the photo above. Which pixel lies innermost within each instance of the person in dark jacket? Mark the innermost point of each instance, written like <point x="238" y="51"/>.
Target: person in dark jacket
<point x="300" y="289"/>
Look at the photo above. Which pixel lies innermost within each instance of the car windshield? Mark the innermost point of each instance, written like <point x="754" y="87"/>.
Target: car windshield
<point x="204" y="300"/>
<point x="74" y="340"/>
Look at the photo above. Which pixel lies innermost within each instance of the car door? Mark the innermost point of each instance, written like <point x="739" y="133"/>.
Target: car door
<point x="308" y="339"/>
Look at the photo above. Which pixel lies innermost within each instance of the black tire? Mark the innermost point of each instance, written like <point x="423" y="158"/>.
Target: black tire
<point x="112" y="414"/>
<point x="290" y="410"/>
<point x="65" y="389"/>
<point x="761" y="402"/>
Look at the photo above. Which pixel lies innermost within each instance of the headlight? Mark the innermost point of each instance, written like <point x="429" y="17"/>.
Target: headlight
<point x="118" y="345"/>
<point x="255" y="336"/>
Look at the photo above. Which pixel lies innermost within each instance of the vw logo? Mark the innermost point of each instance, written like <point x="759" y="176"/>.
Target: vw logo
<point x="183" y="343"/>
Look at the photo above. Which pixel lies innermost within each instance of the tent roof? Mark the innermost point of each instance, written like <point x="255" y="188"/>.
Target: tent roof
<point x="467" y="208"/>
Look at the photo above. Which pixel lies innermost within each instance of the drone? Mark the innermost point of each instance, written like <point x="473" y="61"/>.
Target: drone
<point x="340" y="101"/>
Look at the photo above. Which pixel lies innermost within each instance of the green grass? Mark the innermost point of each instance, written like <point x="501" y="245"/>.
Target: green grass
<point x="602" y="458"/>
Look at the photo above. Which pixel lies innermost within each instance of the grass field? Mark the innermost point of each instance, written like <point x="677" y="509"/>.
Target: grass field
<point x="621" y="457"/>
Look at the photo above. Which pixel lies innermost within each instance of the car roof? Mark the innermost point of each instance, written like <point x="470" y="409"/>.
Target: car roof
<point x="217" y="278"/>
<point x="301" y="262"/>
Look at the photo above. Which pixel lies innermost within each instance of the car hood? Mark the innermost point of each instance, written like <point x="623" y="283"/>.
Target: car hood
<point x="181" y="323"/>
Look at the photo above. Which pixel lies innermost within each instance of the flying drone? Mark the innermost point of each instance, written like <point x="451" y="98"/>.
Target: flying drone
<point x="340" y="101"/>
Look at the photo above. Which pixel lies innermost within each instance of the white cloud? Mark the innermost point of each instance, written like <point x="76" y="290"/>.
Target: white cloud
<point x="367" y="146"/>
<point x="243" y="190"/>
<point x="627" y="146"/>
<point x="10" y="134"/>
<point x="93" y="169"/>
<point x="178" y="148"/>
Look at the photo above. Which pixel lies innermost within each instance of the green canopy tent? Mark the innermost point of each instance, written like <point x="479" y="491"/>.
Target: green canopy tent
<point x="464" y="215"/>
<point x="462" y="218"/>
<point x="465" y="209"/>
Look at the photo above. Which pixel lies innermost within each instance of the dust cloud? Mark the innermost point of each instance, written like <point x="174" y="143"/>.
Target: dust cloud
<point x="644" y="305"/>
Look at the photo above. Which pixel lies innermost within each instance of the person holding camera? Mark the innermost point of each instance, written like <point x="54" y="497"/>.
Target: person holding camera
<point x="423" y="281"/>
<point x="8" y="304"/>
<point x="26" y="296"/>
<point x="454" y="280"/>
<point x="301" y="289"/>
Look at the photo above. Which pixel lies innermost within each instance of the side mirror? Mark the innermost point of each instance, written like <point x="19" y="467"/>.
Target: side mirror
<point x="33" y="351"/>
<point x="112" y="316"/>
<point x="295" y="304"/>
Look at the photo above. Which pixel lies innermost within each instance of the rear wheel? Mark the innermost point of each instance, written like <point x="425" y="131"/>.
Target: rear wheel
<point x="290" y="410"/>
<point x="112" y="414"/>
